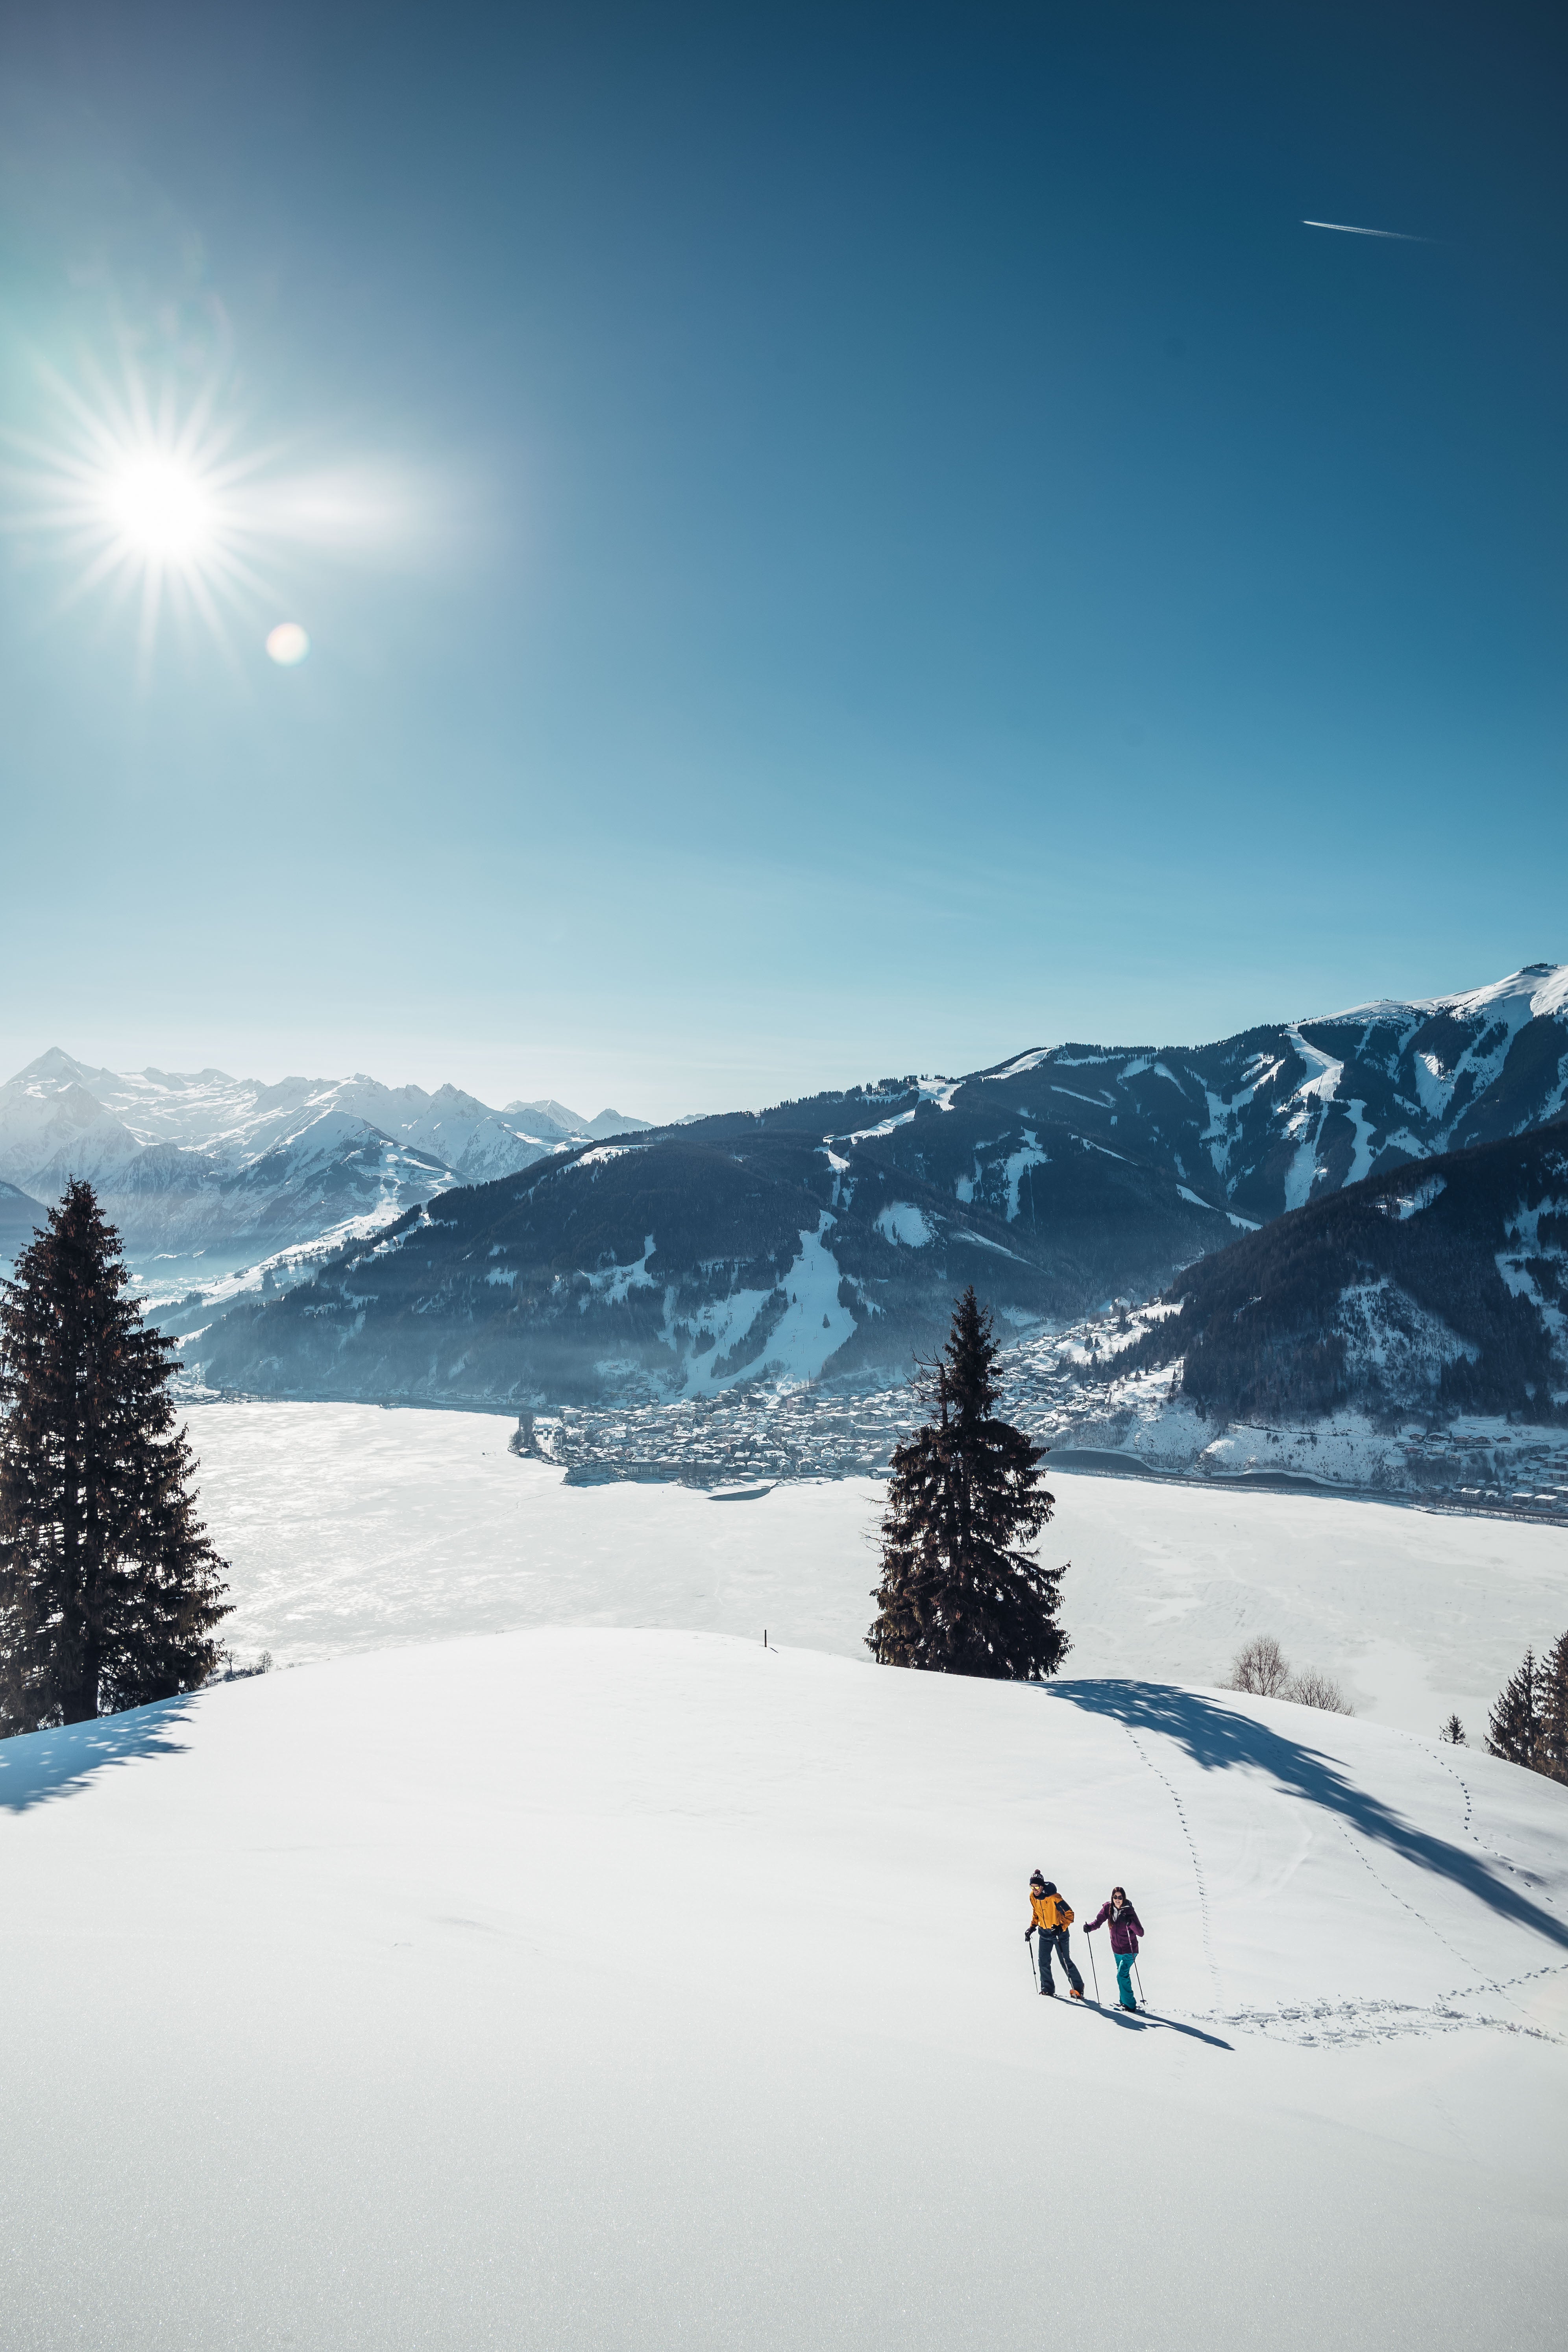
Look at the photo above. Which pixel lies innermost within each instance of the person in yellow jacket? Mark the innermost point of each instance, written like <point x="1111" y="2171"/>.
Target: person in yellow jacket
<point x="1052" y="1918"/>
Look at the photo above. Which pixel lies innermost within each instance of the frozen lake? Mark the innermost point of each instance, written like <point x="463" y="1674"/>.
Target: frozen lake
<point x="349" y="1527"/>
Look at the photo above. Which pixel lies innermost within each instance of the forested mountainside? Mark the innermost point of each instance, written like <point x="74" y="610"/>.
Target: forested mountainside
<point x="681" y="1266"/>
<point x="1279" y="1116"/>
<point x="674" y="1259"/>
<point x="1441" y="1290"/>
<point x="830" y="1235"/>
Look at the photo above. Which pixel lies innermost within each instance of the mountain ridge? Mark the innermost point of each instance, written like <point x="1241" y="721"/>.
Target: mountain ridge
<point x="201" y="1166"/>
<point x="824" y="1237"/>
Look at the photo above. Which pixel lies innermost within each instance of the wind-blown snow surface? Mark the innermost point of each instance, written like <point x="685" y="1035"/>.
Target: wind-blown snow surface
<point x="587" y="1990"/>
<point x="349" y="1527"/>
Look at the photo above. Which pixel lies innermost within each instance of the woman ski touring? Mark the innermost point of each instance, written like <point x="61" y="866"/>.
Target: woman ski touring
<point x="1052" y="1919"/>
<point x="1126" y="1927"/>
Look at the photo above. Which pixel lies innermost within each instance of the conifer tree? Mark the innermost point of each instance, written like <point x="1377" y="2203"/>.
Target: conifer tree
<point x="1551" y="1712"/>
<point x="962" y="1591"/>
<point x="109" y="1590"/>
<point x="1513" y="1724"/>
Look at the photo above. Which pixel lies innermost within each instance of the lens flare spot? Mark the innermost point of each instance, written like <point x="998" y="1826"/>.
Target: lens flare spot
<point x="287" y="644"/>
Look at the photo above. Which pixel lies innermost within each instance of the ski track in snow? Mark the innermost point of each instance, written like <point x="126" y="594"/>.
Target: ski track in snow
<point x="1320" y="1089"/>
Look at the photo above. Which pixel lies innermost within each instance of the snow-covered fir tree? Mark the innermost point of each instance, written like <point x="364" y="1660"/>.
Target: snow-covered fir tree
<point x="962" y="1591"/>
<point x="110" y="1588"/>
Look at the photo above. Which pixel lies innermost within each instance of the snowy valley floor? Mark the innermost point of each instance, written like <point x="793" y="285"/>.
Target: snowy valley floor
<point x="349" y="1528"/>
<point x="610" y="1989"/>
<point x="609" y="1983"/>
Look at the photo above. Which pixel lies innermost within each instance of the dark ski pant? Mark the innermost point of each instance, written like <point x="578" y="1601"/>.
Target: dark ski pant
<point x="1058" y="1940"/>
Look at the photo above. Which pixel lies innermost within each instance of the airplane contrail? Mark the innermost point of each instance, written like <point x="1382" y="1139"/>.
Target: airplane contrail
<point x="1399" y="235"/>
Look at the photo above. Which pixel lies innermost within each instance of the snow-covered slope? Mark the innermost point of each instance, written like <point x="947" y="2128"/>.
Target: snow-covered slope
<point x="687" y="1265"/>
<point x="20" y="1217"/>
<point x="1281" y="1115"/>
<point x="562" y="1125"/>
<point x="204" y="1173"/>
<point x="51" y="1128"/>
<point x="679" y="1260"/>
<point x="1058" y="1182"/>
<point x="580" y="1990"/>
<point x="1430" y="1302"/>
<point x="235" y="1120"/>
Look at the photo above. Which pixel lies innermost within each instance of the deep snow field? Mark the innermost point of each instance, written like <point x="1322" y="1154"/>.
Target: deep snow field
<point x="609" y="1989"/>
<point x="601" y="1988"/>
<point x="349" y="1526"/>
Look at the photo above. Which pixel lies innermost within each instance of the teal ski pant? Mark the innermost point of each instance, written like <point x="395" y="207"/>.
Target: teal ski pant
<point x="1124" y="1978"/>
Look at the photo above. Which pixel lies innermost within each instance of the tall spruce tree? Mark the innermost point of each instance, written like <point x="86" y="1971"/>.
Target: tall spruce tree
<point x="1514" y="1724"/>
<point x="1551" y="1711"/>
<point x="962" y="1591"/>
<point x="109" y="1590"/>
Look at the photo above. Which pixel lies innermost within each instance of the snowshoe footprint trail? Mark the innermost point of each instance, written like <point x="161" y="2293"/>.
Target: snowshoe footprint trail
<point x="1394" y="1897"/>
<point x="1304" y="1800"/>
<point x="1496" y="1852"/>
<point x="1192" y="1848"/>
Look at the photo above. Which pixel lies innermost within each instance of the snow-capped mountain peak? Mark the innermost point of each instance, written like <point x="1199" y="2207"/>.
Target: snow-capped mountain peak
<point x="203" y="1162"/>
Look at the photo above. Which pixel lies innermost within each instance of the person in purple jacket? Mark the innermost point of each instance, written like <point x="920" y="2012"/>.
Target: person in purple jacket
<point x="1125" y="1929"/>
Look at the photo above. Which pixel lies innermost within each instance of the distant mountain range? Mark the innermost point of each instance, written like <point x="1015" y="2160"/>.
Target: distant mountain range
<point x="205" y="1174"/>
<point x="826" y="1237"/>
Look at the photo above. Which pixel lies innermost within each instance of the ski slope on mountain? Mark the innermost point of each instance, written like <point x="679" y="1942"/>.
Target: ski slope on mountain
<point x="585" y="1989"/>
<point x="349" y="1526"/>
<point x="1057" y="1201"/>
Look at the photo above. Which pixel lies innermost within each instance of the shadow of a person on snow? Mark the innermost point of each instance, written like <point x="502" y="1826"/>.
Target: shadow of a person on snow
<point x="1143" y="2021"/>
<point x="1220" y="1738"/>
<point x="35" y="1766"/>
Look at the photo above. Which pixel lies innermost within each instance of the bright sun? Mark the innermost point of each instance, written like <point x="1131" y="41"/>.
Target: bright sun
<point x="155" y="499"/>
<point x="161" y="508"/>
<point x="148" y="499"/>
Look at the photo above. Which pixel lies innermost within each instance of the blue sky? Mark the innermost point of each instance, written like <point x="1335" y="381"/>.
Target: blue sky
<point x="848" y="540"/>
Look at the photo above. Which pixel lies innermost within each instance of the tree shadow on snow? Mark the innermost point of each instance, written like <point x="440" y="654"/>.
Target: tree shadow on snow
<point x="1219" y="1738"/>
<point x="37" y="1766"/>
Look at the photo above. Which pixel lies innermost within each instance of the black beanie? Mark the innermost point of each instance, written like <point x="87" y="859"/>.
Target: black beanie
<point x="1035" y="1879"/>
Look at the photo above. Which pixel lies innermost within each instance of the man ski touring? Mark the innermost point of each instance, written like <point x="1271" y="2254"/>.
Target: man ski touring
<point x="1052" y="1918"/>
<point x="1125" y="1929"/>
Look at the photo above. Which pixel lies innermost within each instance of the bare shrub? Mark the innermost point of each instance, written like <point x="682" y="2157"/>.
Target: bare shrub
<point x="1312" y="1690"/>
<point x="1260" y="1668"/>
<point x="233" y="1672"/>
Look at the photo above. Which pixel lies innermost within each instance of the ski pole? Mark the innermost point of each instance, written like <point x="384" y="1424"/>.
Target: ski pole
<point x="1139" y="1974"/>
<point x="1089" y="1939"/>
